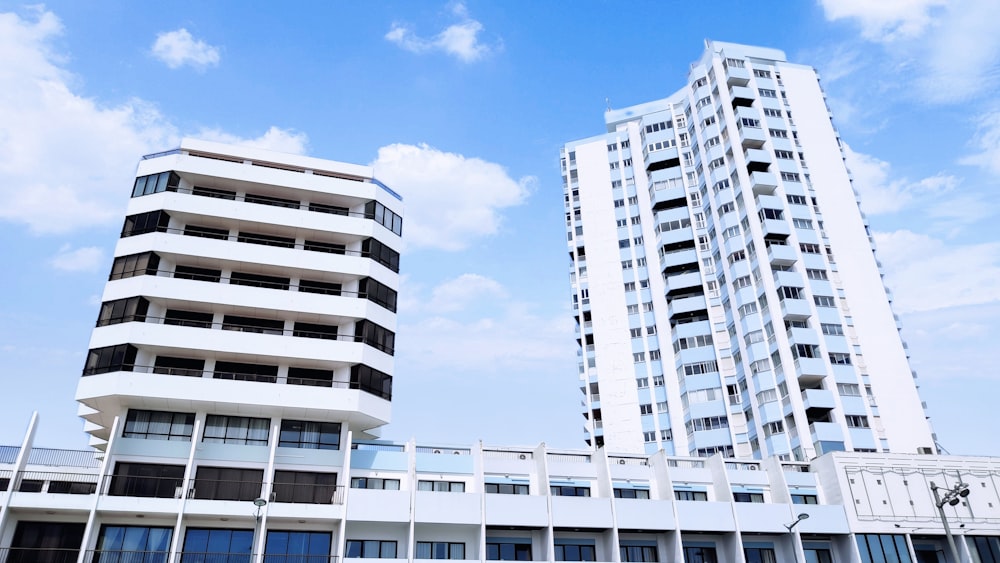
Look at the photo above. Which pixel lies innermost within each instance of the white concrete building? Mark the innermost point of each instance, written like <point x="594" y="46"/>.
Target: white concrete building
<point x="724" y="283"/>
<point x="241" y="367"/>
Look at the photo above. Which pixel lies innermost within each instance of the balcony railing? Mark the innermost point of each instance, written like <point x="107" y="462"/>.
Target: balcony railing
<point x="38" y="555"/>
<point x="280" y="242"/>
<point x="121" y="556"/>
<point x="254" y="377"/>
<point x="55" y="483"/>
<point x="261" y="329"/>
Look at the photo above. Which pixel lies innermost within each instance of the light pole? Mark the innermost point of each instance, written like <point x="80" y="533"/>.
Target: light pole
<point x="259" y="503"/>
<point x="802" y="516"/>
<point x="951" y="497"/>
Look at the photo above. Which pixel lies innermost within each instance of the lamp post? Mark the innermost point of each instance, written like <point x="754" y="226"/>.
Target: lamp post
<point x="802" y="516"/>
<point x="259" y="503"/>
<point x="951" y="497"/>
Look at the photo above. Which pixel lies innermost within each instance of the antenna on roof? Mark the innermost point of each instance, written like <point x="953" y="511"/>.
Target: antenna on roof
<point x="607" y="102"/>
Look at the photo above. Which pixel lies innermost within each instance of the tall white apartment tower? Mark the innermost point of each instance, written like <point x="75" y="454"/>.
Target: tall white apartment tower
<point x="727" y="295"/>
<point x="252" y="297"/>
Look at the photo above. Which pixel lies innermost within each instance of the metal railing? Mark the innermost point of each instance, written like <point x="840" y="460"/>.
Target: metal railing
<point x="377" y="447"/>
<point x="257" y="238"/>
<point x="307" y="493"/>
<point x="242" y="376"/>
<point x="569" y="458"/>
<point x="38" y="555"/>
<point x="223" y="489"/>
<point x="258" y="329"/>
<point x="503" y="453"/>
<point x="142" y="486"/>
<point x="121" y="556"/>
<point x="443" y="450"/>
<point x="55" y="483"/>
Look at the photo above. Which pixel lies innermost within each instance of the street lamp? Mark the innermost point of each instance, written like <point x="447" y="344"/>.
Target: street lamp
<point x="951" y="497"/>
<point x="259" y="503"/>
<point x="795" y="552"/>
<point x="798" y="519"/>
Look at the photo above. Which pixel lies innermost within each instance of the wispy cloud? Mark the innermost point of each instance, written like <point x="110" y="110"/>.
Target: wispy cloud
<point x="885" y="20"/>
<point x="43" y="120"/>
<point x="882" y="194"/>
<point x="986" y="143"/>
<point x="927" y="274"/>
<point x="84" y="259"/>
<point x="451" y="199"/>
<point x="179" y="48"/>
<point x="274" y="139"/>
<point x="460" y="40"/>
<point x="948" y="50"/>
<point x="472" y="322"/>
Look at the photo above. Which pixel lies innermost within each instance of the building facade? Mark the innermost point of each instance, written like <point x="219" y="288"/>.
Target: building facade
<point x="411" y="502"/>
<point x="724" y="282"/>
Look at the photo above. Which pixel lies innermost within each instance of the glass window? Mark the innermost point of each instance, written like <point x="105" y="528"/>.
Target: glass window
<point x="236" y="430"/>
<point x="700" y="555"/>
<point x="632" y="493"/>
<point x="228" y="483"/>
<point x="440" y="550"/>
<point x="497" y="551"/>
<point x="759" y="555"/>
<point x="288" y="546"/>
<point x="207" y="545"/>
<point x="575" y="552"/>
<point x="158" y="425"/>
<point x="507" y="488"/>
<point x="147" y="480"/>
<point x="137" y="544"/>
<point x="441" y="486"/>
<point x="309" y="435"/>
<point x="638" y="553"/>
<point x="371" y="549"/>
<point x="374" y="483"/>
<point x="304" y="487"/>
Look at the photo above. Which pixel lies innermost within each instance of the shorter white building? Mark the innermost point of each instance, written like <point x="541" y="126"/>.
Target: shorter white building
<point x="157" y="496"/>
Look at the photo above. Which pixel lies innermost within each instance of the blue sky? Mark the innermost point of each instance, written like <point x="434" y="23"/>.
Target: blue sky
<point x="462" y="108"/>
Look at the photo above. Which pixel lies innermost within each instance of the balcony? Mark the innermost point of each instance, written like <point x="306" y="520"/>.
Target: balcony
<point x="820" y="399"/>
<point x="757" y="160"/>
<point x="775" y="228"/>
<point x="685" y="305"/>
<point x="661" y="159"/>
<point x="687" y="256"/>
<point x="781" y="255"/>
<point x="43" y="554"/>
<point x="737" y="76"/>
<point x="794" y="309"/>
<point x="810" y="369"/>
<point x="741" y="96"/>
<point x="669" y="198"/>
<point x="763" y="183"/>
<point x="826" y="432"/>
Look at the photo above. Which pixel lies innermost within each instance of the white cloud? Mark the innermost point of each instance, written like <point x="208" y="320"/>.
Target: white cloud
<point x="179" y="48"/>
<point x="987" y="143"/>
<point x="83" y="259"/>
<point x="460" y="40"/>
<point x="450" y="199"/>
<point x="467" y="289"/>
<point x="948" y="50"/>
<point x="274" y="139"/>
<point x="472" y="323"/>
<point x="927" y="274"/>
<point x="884" y="20"/>
<point x="880" y="194"/>
<point x="67" y="161"/>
